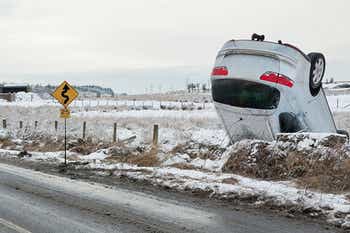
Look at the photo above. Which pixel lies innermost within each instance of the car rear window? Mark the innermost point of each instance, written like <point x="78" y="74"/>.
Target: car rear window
<point x="245" y="94"/>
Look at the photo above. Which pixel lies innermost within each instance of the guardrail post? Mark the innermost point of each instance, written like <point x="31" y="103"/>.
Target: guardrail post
<point x="115" y="132"/>
<point x="84" y="129"/>
<point x="155" y="135"/>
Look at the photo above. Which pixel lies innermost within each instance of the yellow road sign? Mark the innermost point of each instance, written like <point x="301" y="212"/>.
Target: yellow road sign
<point x="65" y="113"/>
<point x="65" y="94"/>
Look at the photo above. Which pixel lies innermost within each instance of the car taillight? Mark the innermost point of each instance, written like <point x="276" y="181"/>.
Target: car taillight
<point x="277" y="78"/>
<point x="220" y="71"/>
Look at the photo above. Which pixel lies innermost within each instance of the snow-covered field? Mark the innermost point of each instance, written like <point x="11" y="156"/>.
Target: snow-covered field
<point x="191" y="155"/>
<point x="178" y="121"/>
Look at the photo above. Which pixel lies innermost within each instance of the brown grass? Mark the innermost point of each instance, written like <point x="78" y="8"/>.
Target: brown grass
<point x="197" y="150"/>
<point x="7" y="144"/>
<point x="45" y="145"/>
<point x="147" y="159"/>
<point x="230" y="181"/>
<point x="326" y="170"/>
<point x="86" y="147"/>
<point x="328" y="175"/>
<point x="184" y="166"/>
<point x="144" y="159"/>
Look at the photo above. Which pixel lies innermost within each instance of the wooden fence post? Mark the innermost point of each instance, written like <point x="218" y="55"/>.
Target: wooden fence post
<point x="56" y="125"/>
<point x="115" y="132"/>
<point x="21" y="124"/>
<point x="36" y="124"/>
<point x="4" y="125"/>
<point x="84" y="129"/>
<point x="155" y="135"/>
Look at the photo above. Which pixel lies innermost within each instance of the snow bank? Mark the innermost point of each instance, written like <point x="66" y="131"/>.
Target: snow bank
<point x="149" y="114"/>
<point x="98" y="155"/>
<point x="335" y="207"/>
<point x="27" y="97"/>
<point x="4" y="134"/>
<point x="176" y="159"/>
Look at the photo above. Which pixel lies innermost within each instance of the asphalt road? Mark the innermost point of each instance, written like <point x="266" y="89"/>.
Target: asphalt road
<point x="35" y="202"/>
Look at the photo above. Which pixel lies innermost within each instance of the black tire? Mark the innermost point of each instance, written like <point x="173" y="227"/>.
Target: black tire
<point x="317" y="70"/>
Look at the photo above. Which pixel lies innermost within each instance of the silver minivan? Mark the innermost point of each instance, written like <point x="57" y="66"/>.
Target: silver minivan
<point x="264" y="88"/>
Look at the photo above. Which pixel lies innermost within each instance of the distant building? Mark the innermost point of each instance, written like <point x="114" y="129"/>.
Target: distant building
<point x="13" y="88"/>
<point x="7" y="91"/>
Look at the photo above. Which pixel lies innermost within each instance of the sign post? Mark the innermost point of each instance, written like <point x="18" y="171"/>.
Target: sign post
<point x="65" y="94"/>
<point x="65" y="113"/>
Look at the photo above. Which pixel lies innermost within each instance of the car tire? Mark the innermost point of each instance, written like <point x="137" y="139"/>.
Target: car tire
<point x="317" y="70"/>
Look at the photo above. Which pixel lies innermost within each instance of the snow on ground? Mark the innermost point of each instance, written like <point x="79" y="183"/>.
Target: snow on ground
<point x="4" y="134"/>
<point x="176" y="126"/>
<point x="228" y="186"/>
<point x="199" y="129"/>
<point x="284" y="194"/>
<point x="337" y="102"/>
<point x="33" y="100"/>
<point x="27" y="97"/>
<point x="98" y="155"/>
<point x="149" y="114"/>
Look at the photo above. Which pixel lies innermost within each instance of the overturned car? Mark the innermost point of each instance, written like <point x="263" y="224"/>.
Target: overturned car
<point x="264" y="88"/>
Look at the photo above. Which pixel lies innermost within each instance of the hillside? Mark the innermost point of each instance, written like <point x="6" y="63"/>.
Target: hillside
<point x="85" y="90"/>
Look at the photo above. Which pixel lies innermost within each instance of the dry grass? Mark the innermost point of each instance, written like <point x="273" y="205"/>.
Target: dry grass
<point x="198" y="150"/>
<point x="230" y="181"/>
<point x="147" y="159"/>
<point x="86" y="147"/>
<point x="45" y="145"/>
<point x="326" y="170"/>
<point x="184" y="166"/>
<point x="328" y="175"/>
<point x="7" y="144"/>
<point x="137" y="157"/>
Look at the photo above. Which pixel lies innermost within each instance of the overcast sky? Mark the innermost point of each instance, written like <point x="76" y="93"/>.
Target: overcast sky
<point x="97" y="41"/>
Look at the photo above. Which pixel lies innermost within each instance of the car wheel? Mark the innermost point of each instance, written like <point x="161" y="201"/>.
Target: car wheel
<point x="317" y="70"/>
